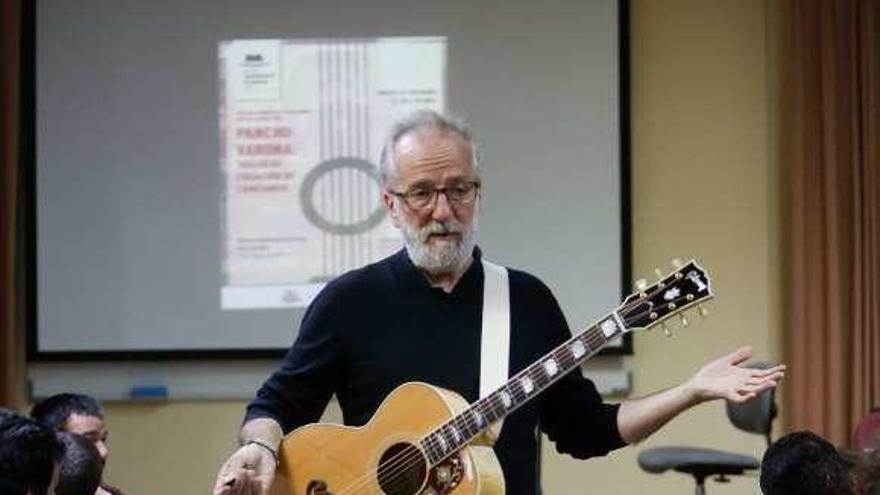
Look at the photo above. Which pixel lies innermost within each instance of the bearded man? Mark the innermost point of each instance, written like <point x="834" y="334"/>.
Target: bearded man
<point x="416" y="316"/>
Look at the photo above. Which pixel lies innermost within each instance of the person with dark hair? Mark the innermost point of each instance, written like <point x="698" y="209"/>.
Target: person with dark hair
<point x="803" y="463"/>
<point x="81" y="466"/>
<point x="74" y="413"/>
<point x="78" y="414"/>
<point x="29" y="455"/>
<point x="867" y="472"/>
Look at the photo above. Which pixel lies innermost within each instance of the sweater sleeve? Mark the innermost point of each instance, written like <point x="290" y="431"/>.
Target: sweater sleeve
<point x="572" y="412"/>
<point x="297" y="393"/>
<point x="574" y="417"/>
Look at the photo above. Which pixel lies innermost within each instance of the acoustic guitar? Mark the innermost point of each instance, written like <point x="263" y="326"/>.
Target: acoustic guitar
<point x="429" y="441"/>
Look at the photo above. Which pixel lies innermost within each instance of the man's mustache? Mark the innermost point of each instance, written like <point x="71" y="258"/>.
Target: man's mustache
<point x="435" y="228"/>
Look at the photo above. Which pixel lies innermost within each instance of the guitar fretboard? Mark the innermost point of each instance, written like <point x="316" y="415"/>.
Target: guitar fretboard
<point x="453" y="435"/>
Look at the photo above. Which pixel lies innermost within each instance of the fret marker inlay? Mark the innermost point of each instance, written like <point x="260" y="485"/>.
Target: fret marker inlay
<point x="578" y="349"/>
<point x="609" y="328"/>
<point x="550" y="367"/>
<point x="505" y="399"/>
<point x="479" y="420"/>
<point x="527" y="385"/>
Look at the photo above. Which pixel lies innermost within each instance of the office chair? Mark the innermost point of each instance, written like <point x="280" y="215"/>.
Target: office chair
<point x="754" y="416"/>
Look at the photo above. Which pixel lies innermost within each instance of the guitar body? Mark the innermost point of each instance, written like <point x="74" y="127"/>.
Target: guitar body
<point x="384" y="456"/>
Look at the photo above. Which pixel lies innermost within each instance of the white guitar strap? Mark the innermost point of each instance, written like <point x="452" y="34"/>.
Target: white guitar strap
<point x="495" y="341"/>
<point x="495" y="344"/>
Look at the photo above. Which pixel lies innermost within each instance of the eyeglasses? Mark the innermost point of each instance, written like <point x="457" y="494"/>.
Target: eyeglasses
<point x="425" y="198"/>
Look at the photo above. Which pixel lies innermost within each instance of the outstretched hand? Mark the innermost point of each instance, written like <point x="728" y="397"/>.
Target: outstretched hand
<point x="726" y="378"/>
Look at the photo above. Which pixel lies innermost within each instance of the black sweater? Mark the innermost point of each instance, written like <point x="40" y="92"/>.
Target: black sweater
<point x="377" y="327"/>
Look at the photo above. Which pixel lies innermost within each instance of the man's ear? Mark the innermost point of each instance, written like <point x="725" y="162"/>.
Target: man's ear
<point x="388" y="203"/>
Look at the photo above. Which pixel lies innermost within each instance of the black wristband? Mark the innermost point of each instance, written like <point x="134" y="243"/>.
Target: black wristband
<point x="263" y="445"/>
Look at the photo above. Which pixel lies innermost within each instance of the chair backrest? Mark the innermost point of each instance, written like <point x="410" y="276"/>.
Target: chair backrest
<point x="866" y="437"/>
<point x="756" y="415"/>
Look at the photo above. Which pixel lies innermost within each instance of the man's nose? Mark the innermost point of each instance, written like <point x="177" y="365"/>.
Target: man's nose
<point x="442" y="208"/>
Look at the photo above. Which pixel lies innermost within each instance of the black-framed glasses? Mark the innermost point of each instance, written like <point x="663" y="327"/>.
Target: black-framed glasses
<point x="425" y="198"/>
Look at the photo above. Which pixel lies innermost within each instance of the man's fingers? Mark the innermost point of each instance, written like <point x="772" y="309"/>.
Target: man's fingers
<point x="225" y="487"/>
<point x="224" y="483"/>
<point x="266" y="480"/>
<point x="773" y="380"/>
<point x="228" y="485"/>
<point x="241" y="482"/>
<point x="249" y="471"/>
<point x="740" y="355"/>
<point x="750" y="390"/>
<point x="764" y="386"/>
<point x="740" y="396"/>
<point x="776" y="370"/>
<point x="252" y="487"/>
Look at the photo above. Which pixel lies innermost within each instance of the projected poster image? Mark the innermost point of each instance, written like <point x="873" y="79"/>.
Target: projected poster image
<point x="302" y="123"/>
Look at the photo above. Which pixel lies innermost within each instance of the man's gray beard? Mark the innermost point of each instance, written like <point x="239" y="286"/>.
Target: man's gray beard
<point x="442" y="257"/>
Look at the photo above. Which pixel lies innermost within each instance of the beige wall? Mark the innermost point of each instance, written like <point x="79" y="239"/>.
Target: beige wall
<point x="704" y="184"/>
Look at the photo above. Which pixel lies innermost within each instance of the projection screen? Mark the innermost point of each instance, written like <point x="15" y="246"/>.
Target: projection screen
<point x="201" y="167"/>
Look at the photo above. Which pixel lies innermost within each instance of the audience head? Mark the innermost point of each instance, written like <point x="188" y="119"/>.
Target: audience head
<point x="29" y="455"/>
<point x="864" y="466"/>
<point x="81" y="466"/>
<point x="802" y="463"/>
<point x="74" y="413"/>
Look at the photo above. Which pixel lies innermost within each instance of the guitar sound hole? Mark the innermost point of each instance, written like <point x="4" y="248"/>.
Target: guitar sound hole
<point x="317" y="487"/>
<point x="402" y="470"/>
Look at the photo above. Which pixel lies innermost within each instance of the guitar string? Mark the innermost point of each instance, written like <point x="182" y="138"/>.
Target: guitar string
<point x="595" y="338"/>
<point x="401" y="463"/>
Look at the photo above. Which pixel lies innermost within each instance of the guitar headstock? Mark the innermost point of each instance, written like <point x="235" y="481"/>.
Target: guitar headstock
<point x="684" y="288"/>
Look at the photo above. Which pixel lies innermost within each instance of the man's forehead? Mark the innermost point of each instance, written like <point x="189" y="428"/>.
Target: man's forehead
<point x="429" y="152"/>
<point x="438" y="142"/>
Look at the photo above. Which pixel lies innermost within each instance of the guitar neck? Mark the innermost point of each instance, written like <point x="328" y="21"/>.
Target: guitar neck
<point x="685" y="287"/>
<point x="456" y="433"/>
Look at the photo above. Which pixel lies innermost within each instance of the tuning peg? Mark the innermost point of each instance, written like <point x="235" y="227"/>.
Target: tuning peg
<point x="677" y="263"/>
<point x="658" y="273"/>
<point x="666" y="331"/>
<point x="703" y="311"/>
<point x="684" y="320"/>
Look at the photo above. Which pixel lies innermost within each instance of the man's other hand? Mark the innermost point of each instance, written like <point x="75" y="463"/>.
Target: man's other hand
<point x="248" y="471"/>
<point x="728" y="378"/>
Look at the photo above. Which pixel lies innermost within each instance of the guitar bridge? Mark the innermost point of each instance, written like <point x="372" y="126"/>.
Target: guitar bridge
<point x="444" y="477"/>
